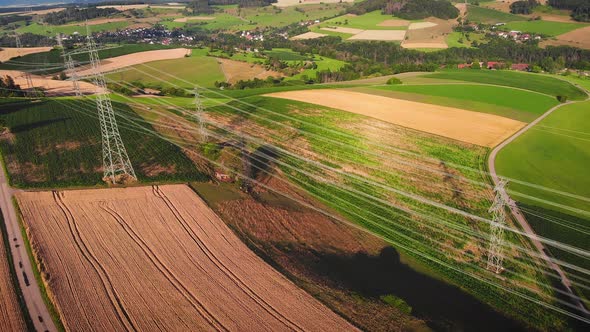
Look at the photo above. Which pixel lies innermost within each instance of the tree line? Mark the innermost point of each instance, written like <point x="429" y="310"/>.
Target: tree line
<point x="524" y="7"/>
<point x="411" y="10"/>
<point x="580" y="8"/>
<point x="74" y="15"/>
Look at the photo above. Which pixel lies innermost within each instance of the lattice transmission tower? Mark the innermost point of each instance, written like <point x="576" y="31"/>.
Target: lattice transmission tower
<point x="199" y="115"/>
<point x="117" y="167"/>
<point x="70" y="68"/>
<point x="498" y="210"/>
<point x="31" y="92"/>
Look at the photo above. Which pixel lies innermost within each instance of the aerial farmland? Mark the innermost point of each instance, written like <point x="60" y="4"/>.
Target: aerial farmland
<point x="295" y="165"/>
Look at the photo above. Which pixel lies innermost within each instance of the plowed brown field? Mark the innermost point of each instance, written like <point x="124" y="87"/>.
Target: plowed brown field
<point x="11" y="318"/>
<point x="158" y="259"/>
<point x="467" y="126"/>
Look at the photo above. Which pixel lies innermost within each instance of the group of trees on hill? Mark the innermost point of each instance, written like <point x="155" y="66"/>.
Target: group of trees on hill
<point x="580" y="8"/>
<point x="523" y="7"/>
<point x="411" y="10"/>
<point x="199" y="7"/>
<point x="71" y="14"/>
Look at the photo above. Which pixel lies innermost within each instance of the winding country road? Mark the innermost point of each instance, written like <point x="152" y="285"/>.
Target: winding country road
<point x="520" y="217"/>
<point x="22" y="264"/>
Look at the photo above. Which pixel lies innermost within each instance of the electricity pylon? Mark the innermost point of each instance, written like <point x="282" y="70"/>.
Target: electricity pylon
<point x="498" y="210"/>
<point x="117" y="167"/>
<point x="70" y="68"/>
<point x="31" y="92"/>
<point x="199" y="115"/>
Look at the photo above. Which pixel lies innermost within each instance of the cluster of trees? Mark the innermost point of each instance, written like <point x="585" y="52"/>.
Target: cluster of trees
<point x="198" y="7"/>
<point x="412" y="10"/>
<point x="71" y="14"/>
<point x="523" y="7"/>
<point x="8" y="19"/>
<point x="27" y="39"/>
<point x="10" y="89"/>
<point x="253" y="83"/>
<point x="580" y="8"/>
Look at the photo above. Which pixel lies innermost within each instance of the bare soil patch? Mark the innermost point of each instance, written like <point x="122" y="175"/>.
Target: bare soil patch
<point x="11" y="318"/>
<point x="50" y="86"/>
<point x="430" y="35"/>
<point x="150" y="258"/>
<point x="238" y="70"/>
<point x="386" y="35"/>
<point x="577" y="38"/>
<point x="421" y="25"/>
<point x="194" y="18"/>
<point x="135" y="59"/>
<point x="394" y="23"/>
<point x="308" y="35"/>
<point x="344" y="30"/>
<point x="7" y="53"/>
<point x="471" y="127"/>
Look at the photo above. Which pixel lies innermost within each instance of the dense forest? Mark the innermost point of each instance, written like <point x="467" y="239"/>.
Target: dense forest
<point x="580" y="8"/>
<point x="523" y="7"/>
<point x="411" y="10"/>
<point x="75" y="15"/>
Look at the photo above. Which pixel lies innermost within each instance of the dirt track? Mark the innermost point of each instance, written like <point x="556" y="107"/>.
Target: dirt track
<point x="10" y="314"/>
<point x="158" y="258"/>
<point x="7" y="53"/>
<point x="467" y="126"/>
<point x="127" y="60"/>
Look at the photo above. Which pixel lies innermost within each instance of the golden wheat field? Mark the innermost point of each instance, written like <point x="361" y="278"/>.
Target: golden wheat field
<point x="157" y="258"/>
<point x="10" y="314"/>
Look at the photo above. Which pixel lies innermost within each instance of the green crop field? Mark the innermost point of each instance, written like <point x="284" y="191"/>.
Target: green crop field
<point x="554" y="154"/>
<point x="490" y="16"/>
<point x="56" y="143"/>
<point x="54" y="56"/>
<point x="546" y="28"/>
<point x="454" y="38"/>
<point x="539" y="83"/>
<point x="504" y="101"/>
<point x="368" y="21"/>
<point x="51" y="30"/>
<point x="196" y="69"/>
<point x="221" y="21"/>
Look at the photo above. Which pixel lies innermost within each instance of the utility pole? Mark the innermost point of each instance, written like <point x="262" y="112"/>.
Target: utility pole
<point x="70" y="68"/>
<point x="199" y="112"/>
<point x="117" y="167"/>
<point x="31" y="92"/>
<point x="498" y="210"/>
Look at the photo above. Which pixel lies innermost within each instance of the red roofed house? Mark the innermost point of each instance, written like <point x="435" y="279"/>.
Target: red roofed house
<point x="520" y="66"/>
<point x="464" y="65"/>
<point x="494" y="64"/>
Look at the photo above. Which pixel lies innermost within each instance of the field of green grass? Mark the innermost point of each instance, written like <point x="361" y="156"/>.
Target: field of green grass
<point x="490" y="16"/>
<point x="504" y="101"/>
<point x="56" y="143"/>
<point x="51" y="30"/>
<point x="454" y="39"/>
<point x="554" y="154"/>
<point x="538" y="83"/>
<point x="368" y="21"/>
<point x="198" y="69"/>
<point x="546" y="28"/>
<point x="271" y="17"/>
<point x="222" y="21"/>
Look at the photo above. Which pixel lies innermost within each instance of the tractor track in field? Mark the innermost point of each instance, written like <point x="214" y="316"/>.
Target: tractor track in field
<point x="106" y="282"/>
<point x="222" y="267"/>
<point x="172" y="278"/>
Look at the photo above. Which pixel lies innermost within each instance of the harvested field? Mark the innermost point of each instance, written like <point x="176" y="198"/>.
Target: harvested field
<point x="127" y="60"/>
<point x="344" y="30"/>
<point x="150" y="258"/>
<point x="577" y="38"/>
<point x="385" y="35"/>
<point x="7" y="53"/>
<point x="308" y="35"/>
<point x="394" y="23"/>
<point x="194" y="18"/>
<point x="424" y="45"/>
<point x="436" y="34"/>
<point x="237" y="70"/>
<point x="11" y="318"/>
<point x="467" y="126"/>
<point x="52" y="87"/>
<point x="421" y="25"/>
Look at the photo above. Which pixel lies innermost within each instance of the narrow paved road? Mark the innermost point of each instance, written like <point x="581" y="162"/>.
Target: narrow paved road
<point x="22" y="264"/>
<point x="520" y="217"/>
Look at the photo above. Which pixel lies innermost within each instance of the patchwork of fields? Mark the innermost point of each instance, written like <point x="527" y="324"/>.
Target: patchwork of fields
<point x="167" y="254"/>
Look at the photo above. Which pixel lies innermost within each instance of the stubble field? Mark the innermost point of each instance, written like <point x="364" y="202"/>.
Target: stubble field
<point x="158" y="258"/>
<point x="11" y="318"/>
